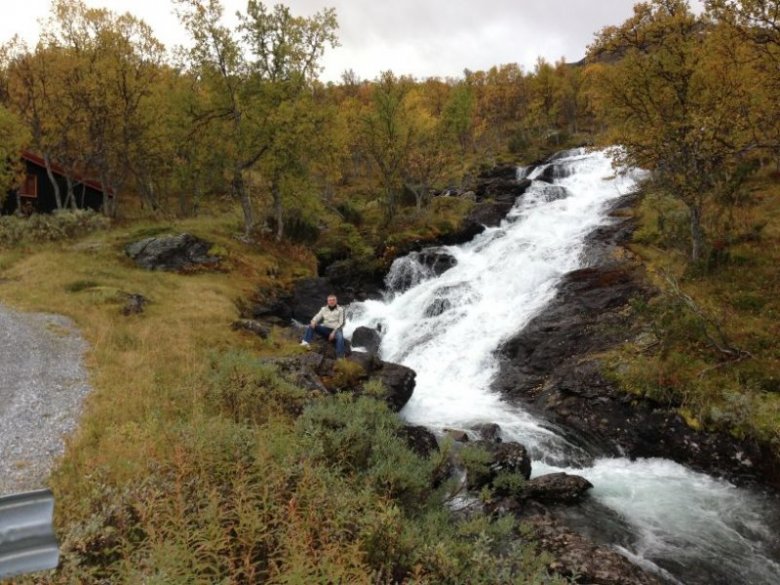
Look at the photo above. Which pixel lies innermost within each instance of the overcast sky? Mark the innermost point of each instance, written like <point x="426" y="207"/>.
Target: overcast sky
<point x="423" y="38"/>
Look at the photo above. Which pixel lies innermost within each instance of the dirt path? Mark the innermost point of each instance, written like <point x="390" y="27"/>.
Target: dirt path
<point x="42" y="384"/>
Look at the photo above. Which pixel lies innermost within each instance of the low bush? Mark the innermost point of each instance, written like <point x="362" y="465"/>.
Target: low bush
<point x="49" y="228"/>
<point x="250" y="391"/>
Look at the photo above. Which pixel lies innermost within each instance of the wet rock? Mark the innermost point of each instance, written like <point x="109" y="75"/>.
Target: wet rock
<point x="436" y="260"/>
<point x="554" y="171"/>
<point x="567" y="325"/>
<point x="490" y="432"/>
<point x="551" y="365"/>
<point x="507" y="457"/>
<point x="574" y="555"/>
<point x="549" y="193"/>
<point x="502" y="189"/>
<point x="420" y="439"/>
<point x="555" y="488"/>
<point x="367" y="338"/>
<point x="399" y="381"/>
<point x="179" y="252"/>
<point x="302" y="371"/>
<point x="368" y="361"/>
<point x="437" y="307"/>
<point x="511" y="457"/>
<point x="457" y="435"/>
<point x="252" y="326"/>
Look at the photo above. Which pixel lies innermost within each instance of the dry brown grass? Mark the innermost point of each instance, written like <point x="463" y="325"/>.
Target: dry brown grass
<point x="145" y="369"/>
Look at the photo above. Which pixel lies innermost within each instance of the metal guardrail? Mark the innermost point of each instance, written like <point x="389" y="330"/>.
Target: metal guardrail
<point x="27" y="540"/>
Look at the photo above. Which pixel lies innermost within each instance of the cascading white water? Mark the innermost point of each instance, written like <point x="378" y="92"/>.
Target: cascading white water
<point x="448" y="327"/>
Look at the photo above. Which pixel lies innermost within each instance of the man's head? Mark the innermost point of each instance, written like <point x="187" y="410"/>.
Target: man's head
<point x="332" y="300"/>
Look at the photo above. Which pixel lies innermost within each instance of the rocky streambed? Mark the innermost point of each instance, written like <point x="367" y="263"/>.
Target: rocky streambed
<point x="550" y="367"/>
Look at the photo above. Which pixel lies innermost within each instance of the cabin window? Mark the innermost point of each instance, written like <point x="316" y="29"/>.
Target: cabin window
<point x="29" y="187"/>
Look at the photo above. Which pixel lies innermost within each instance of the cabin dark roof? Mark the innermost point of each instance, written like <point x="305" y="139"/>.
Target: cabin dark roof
<point x="91" y="183"/>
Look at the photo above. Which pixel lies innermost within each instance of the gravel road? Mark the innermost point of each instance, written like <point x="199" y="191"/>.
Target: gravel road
<point x="42" y="384"/>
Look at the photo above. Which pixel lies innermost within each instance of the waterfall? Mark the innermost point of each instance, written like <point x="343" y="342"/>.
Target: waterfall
<point x="447" y="325"/>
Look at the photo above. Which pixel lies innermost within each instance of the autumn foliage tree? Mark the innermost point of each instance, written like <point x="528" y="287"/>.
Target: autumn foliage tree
<point x="676" y="107"/>
<point x="249" y="77"/>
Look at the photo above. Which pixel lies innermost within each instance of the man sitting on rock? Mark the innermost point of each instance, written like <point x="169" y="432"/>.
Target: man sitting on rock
<point x="332" y="318"/>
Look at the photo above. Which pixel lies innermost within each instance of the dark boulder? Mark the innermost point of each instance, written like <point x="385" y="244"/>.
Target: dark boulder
<point x="554" y="488"/>
<point x="437" y="307"/>
<point x="302" y="371"/>
<point x="554" y="171"/>
<point x="417" y="266"/>
<point x="574" y="555"/>
<point x="419" y="439"/>
<point x="507" y="457"/>
<point x="489" y="432"/>
<point x="367" y="338"/>
<point x="399" y="381"/>
<point x="501" y="189"/>
<point x="457" y="435"/>
<point x="356" y="278"/>
<point x="436" y="260"/>
<point x="511" y="457"/>
<point x="368" y="361"/>
<point x="309" y="295"/>
<point x="181" y="252"/>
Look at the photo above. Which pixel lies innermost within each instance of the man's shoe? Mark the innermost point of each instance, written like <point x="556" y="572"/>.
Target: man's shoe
<point x="304" y="343"/>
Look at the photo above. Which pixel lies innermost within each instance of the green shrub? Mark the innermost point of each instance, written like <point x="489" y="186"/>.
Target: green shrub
<point x="360" y="436"/>
<point x="250" y="391"/>
<point x="346" y="374"/>
<point x="49" y="228"/>
<point x="80" y="285"/>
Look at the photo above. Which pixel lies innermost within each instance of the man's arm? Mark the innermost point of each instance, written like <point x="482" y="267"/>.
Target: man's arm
<point x="317" y="318"/>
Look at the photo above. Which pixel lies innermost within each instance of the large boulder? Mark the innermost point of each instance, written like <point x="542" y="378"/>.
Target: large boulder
<point x="575" y="555"/>
<point x="357" y="278"/>
<point x="437" y="260"/>
<point x="419" y="439"/>
<point x="554" y="488"/>
<point x="509" y="457"/>
<point x="399" y="381"/>
<point x="180" y="252"/>
<point x="490" y="432"/>
<point x="309" y="295"/>
<point x="367" y="338"/>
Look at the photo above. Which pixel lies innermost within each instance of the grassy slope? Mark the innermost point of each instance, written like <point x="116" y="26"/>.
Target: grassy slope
<point x="191" y="464"/>
<point x="739" y="295"/>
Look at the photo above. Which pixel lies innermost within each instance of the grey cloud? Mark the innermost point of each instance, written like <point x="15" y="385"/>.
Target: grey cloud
<point x="436" y="37"/>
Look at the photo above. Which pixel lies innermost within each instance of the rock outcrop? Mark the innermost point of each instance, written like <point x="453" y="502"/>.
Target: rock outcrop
<point x="180" y="252"/>
<point x="552" y="366"/>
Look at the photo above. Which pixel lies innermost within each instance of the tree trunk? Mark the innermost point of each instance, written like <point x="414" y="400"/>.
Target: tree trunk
<point x="389" y="204"/>
<point x="276" y="193"/>
<point x="70" y="197"/>
<point x="697" y="236"/>
<point x="53" y="179"/>
<point x="240" y="192"/>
